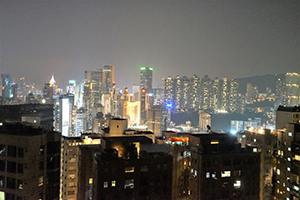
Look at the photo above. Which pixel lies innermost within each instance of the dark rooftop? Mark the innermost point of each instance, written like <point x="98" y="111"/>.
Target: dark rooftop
<point x="20" y="129"/>
<point x="289" y="109"/>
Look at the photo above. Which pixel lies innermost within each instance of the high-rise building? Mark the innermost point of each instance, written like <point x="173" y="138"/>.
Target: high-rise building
<point x="92" y="93"/>
<point x="133" y="112"/>
<point x="251" y="93"/>
<point x="205" y="91"/>
<point x="157" y="117"/>
<point x="292" y="88"/>
<point x="286" y="171"/>
<point x="14" y="91"/>
<point x="224" y="95"/>
<point x="113" y="100"/>
<point x="185" y="100"/>
<point x="52" y="83"/>
<point x="143" y="106"/>
<point x="77" y="166"/>
<point x="142" y="170"/>
<point x="280" y="92"/>
<point x="158" y="96"/>
<point x="177" y="92"/>
<point x="47" y="94"/>
<point x="29" y="162"/>
<point x="168" y="91"/>
<point x="80" y="126"/>
<point x="108" y="77"/>
<point x="136" y="92"/>
<point x="221" y="169"/>
<point x="71" y="88"/>
<point x="263" y="141"/>
<point x="194" y="92"/>
<point x="146" y="78"/>
<point x="6" y="88"/>
<point x="216" y="95"/>
<point x="233" y="95"/>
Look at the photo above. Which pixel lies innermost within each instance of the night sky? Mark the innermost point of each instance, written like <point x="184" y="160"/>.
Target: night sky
<point x="231" y="39"/>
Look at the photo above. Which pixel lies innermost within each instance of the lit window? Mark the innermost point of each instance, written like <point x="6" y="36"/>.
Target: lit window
<point x="195" y="172"/>
<point x="20" y="184"/>
<point x="90" y="180"/>
<point x="254" y="149"/>
<point x="237" y="184"/>
<point x="289" y="169"/>
<point x="105" y="184"/>
<point x="41" y="181"/>
<point x="214" y="142"/>
<point x="254" y="140"/>
<point x="129" y="169"/>
<point x="207" y="174"/>
<point x="129" y="184"/>
<point x="225" y="174"/>
<point x="113" y="183"/>
<point x="278" y="171"/>
<point x="289" y="149"/>
<point x="71" y="184"/>
<point x="214" y="175"/>
<point x="288" y="189"/>
<point x="297" y="157"/>
<point x="290" y="134"/>
<point x="289" y="159"/>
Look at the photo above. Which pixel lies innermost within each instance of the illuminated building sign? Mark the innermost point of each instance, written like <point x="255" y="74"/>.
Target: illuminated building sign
<point x="72" y="82"/>
<point x="179" y="139"/>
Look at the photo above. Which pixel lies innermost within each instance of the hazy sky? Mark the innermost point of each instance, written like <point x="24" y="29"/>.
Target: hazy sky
<point x="219" y="38"/>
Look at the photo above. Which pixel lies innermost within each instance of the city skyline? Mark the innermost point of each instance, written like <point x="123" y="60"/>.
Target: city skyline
<point x="221" y="39"/>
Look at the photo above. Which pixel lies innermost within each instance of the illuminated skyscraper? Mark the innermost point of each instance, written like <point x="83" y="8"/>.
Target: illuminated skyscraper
<point x="108" y="78"/>
<point x="205" y="91"/>
<point x="143" y="106"/>
<point x="113" y="100"/>
<point x="6" y="88"/>
<point x="80" y="126"/>
<point x="92" y="93"/>
<point x="158" y="96"/>
<point x="224" y="94"/>
<point x="216" y="95"/>
<point x="146" y="78"/>
<point x="185" y="100"/>
<point x="292" y="88"/>
<point x="233" y="95"/>
<point x="168" y="90"/>
<point x="52" y="83"/>
<point x="194" y="92"/>
<point x="177" y="92"/>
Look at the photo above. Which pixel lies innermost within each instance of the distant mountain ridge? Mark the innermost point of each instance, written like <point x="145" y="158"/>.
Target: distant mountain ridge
<point x="262" y="82"/>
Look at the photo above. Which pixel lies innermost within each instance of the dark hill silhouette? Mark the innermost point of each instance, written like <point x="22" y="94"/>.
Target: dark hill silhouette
<point x="262" y="82"/>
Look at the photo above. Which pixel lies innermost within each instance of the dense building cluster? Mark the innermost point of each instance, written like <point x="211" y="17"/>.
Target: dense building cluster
<point x="94" y="141"/>
<point x="192" y="93"/>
